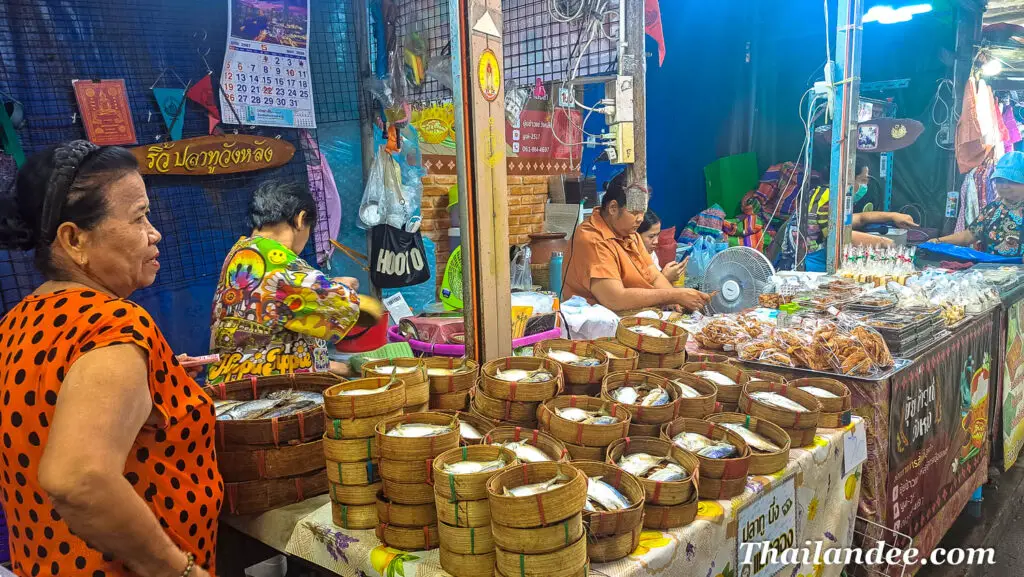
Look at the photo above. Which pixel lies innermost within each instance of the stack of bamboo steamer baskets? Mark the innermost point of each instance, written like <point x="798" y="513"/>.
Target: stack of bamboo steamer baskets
<point x="693" y="407"/>
<point x="269" y="463"/>
<point x="620" y="357"/>
<point x="719" y="478"/>
<point x="552" y="448"/>
<point x="412" y="372"/>
<point x="667" y="504"/>
<point x="801" y="426"/>
<point x="405" y="508"/>
<point x="515" y="403"/>
<point x="835" y="412"/>
<point x="539" y="535"/>
<point x="728" y="395"/>
<point x="350" y="446"/>
<point x="451" y="381"/>
<point x="645" y="421"/>
<point x="578" y="380"/>
<point x="654" y="352"/>
<point x="761" y="463"/>
<point x="612" y="535"/>
<point x="584" y="441"/>
<point x="470" y="426"/>
<point x="463" y="511"/>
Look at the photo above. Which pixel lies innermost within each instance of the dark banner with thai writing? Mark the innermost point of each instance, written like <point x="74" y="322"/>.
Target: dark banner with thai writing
<point x="938" y="421"/>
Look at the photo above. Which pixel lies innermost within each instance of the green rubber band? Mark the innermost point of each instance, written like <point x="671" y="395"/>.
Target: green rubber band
<point x="451" y="488"/>
<point x="334" y="492"/>
<point x="456" y="513"/>
<point x="337" y="428"/>
<point x="369" y="448"/>
<point x="565" y="524"/>
<point x="522" y="565"/>
<point x="465" y="453"/>
<point x="747" y="424"/>
<point x="340" y="478"/>
<point x="472" y="541"/>
<point x="344" y="516"/>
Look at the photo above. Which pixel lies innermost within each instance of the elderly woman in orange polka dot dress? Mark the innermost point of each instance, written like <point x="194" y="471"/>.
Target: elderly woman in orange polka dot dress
<point x="108" y="460"/>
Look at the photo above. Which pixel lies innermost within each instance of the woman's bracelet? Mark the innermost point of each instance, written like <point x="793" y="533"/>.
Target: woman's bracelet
<point x="190" y="565"/>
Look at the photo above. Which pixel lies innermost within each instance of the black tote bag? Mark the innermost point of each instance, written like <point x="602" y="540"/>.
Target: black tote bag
<point x="397" y="258"/>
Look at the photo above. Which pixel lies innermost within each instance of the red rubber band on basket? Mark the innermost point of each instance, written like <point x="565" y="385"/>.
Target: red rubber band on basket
<point x="352" y="406"/>
<point x="579" y="433"/>
<point x="628" y="441"/>
<point x="387" y="511"/>
<point x="572" y="401"/>
<point x="526" y="476"/>
<point x="252" y="383"/>
<point x="276" y="431"/>
<point x="711" y="430"/>
<point x="618" y="477"/>
<point x="299" y="493"/>
<point x="302" y="426"/>
<point x="451" y="383"/>
<point x="534" y="437"/>
<point x="426" y="536"/>
<point x="508" y="410"/>
<point x="796" y="420"/>
<point x="220" y="434"/>
<point x="518" y="431"/>
<point x="540" y="509"/>
<point x="223" y="391"/>
<point x="657" y="492"/>
<point x="232" y="498"/>
<point x="261" y="464"/>
<point x="512" y="395"/>
<point x="430" y="471"/>
<point x="591" y="377"/>
<point x="664" y="516"/>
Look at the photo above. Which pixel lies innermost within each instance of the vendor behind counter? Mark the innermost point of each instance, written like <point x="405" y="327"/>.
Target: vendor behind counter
<point x="608" y="263"/>
<point x="998" y="228"/>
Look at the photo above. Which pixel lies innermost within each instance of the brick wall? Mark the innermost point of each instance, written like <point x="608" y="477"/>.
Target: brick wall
<point x="527" y="196"/>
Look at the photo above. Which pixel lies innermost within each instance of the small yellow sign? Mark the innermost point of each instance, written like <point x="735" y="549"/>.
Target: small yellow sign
<point x="489" y="73"/>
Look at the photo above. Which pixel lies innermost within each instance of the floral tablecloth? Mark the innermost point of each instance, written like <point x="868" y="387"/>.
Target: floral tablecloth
<point x="826" y="511"/>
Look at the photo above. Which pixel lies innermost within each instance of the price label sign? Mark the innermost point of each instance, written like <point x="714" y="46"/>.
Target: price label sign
<point x="266" y="77"/>
<point x="767" y="523"/>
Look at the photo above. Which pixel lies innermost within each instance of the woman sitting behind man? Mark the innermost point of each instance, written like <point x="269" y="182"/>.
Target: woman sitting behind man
<point x="649" y="231"/>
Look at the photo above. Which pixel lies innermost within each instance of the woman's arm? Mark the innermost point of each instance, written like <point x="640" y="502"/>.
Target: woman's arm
<point x="962" y="238"/>
<point x="103" y="404"/>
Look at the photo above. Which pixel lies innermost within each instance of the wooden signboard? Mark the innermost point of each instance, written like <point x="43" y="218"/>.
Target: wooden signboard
<point x="220" y="154"/>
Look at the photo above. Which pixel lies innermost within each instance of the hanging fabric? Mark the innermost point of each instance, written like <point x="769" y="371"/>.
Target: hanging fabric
<point x="325" y="192"/>
<point x="970" y="143"/>
<point x="171" y="102"/>
<point x="1011" y="126"/>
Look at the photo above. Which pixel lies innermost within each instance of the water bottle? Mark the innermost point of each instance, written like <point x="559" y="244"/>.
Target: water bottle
<point x="555" y="273"/>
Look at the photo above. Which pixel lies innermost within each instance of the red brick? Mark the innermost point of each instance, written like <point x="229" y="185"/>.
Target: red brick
<point x="514" y="180"/>
<point x="536" y="180"/>
<point x="532" y="218"/>
<point x="537" y="189"/>
<point x="435" y="190"/>
<point x="522" y="209"/>
<point x="446" y="179"/>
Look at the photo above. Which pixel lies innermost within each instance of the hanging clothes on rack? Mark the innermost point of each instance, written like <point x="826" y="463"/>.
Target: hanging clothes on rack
<point x="1011" y="126"/>
<point x="989" y="119"/>
<point x="971" y="150"/>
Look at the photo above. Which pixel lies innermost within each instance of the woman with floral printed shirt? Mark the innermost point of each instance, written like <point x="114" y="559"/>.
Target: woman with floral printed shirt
<point x="999" y="227"/>
<point x="273" y="313"/>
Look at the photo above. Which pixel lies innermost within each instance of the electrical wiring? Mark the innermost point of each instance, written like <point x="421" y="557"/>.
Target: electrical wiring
<point x="946" y="115"/>
<point x="556" y="10"/>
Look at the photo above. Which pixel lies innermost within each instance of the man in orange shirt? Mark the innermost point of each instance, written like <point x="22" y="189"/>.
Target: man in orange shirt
<point x="608" y="265"/>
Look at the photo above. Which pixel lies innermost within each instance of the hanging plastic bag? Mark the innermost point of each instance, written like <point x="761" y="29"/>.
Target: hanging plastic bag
<point x="704" y="249"/>
<point x="371" y="208"/>
<point x="522" y="276"/>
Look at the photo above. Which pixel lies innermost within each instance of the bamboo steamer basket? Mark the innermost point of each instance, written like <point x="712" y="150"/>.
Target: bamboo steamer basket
<point x="698" y="407"/>
<point x="608" y="523"/>
<point x="407" y="471"/>
<point x="843" y="402"/>
<point x="620" y="357"/>
<point x="590" y="390"/>
<point x="573" y="374"/>
<point x="719" y="478"/>
<point x="354" y="517"/>
<point x="417" y="398"/>
<point x="760" y="463"/>
<point x="782" y="417"/>
<point x="571" y="560"/>
<point x="640" y="430"/>
<point x="466" y="540"/>
<point x="659" y="492"/>
<point x="408" y="493"/>
<point x="252" y="497"/>
<point x="355" y="473"/>
<point x="465" y="565"/>
<point x="482" y="424"/>
<point x="496" y="388"/>
<point x="270" y="462"/>
<point x="408" y="538"/>
<point x="643" y="415"/>
<point x="423" y="408"/>
<point x="801" y="437"/>
<point x="769" y="376"/>
<point x="544" y="508"/>
<point x="391" y="513"/>
<point x="417" y="448"/>
<point x="457" y="401"/>
<point x="547" y="444"/>
<point x="671" y="516"/>
<point x="463" y="513"/>
<point x="524" y="412"/>
<point x="301" y="427"/>
<point x="538" y="539"/>
<point x="614" y="547"/>
<point x="349" y="450"/>
<point x="727" y="394"/>
<point x="585" y="435"/>
<point x="361" y="428"/>
<point x="463" y="380"/>
<point x="704" y="357"/>
<point x="415" y="377"/>
<point x="835" y="420"/>
<point x="469" y="486"/>
<point x="341" y="406"/>
<point x="356" y="494"/>
<point x="674" y="343"/>
<point x="652" y="361"/>
<point x="581" y="453"/>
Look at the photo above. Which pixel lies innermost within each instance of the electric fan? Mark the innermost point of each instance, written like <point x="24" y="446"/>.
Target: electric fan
<point x="739" y="274"/>
<point x="451" y="284"/>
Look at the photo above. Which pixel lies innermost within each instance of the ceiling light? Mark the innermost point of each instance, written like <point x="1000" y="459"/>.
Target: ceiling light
<point x="889" y="15"/>
<point x="993" y="67"/>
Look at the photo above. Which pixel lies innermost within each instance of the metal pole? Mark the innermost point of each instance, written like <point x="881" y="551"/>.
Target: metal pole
<point x="362" y="14"/>
<point x="633" y="62"/>
<point x="849" y="35"/>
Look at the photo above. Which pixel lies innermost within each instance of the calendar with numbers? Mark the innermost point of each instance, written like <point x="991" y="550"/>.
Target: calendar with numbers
<point x="266" y="77"/>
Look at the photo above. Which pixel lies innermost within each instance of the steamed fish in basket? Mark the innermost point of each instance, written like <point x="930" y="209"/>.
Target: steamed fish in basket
<point x="603" y="497"/>
<point x="639" y="464"/>
<point x="692" y="442"/>
<point x="537" y="488"/>
<point x="778" y="401"/>
<point x="568" y="358"/>
<point x="524" y="376"/>
<point x="275" y="404"/>
<point x="444" y="372"/>
<point x="717" y="378"/>
<point x="393" y="370"/>
<point x="526" y="452"/>
<point x="756" y="441"/>
<point x="641" y="395"/>
<point x="469" y="432"/>
<point x="649" y="331"/>
<point x="686" y="391"/>
<point x="819" y="392"/>
<point x="720" y="450"/>
<point x="578" y="415"/>
<point x="470" y="467"/>
<point x="670" y="473"/>
<point x="419" y="430"/>
<point x="361" y="392"/>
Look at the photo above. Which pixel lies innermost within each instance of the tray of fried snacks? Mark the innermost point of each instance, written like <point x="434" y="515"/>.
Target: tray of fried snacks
<point x="823" y="300"/>
<point x="874" y="302"/>
<point x="840" y="285"/>
<point x="773" y="300"/>
<point x="722" y="333"/>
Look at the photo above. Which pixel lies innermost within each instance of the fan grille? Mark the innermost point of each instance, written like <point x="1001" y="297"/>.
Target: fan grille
<point x="738" y="274"/>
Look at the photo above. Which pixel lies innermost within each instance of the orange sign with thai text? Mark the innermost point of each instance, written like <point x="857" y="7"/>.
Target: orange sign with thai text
<point x="105" y="112"/>
<point x="222" y="154"/>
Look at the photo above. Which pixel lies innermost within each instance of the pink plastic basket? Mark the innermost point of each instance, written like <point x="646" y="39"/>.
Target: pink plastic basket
<point x="444" y="350"/>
